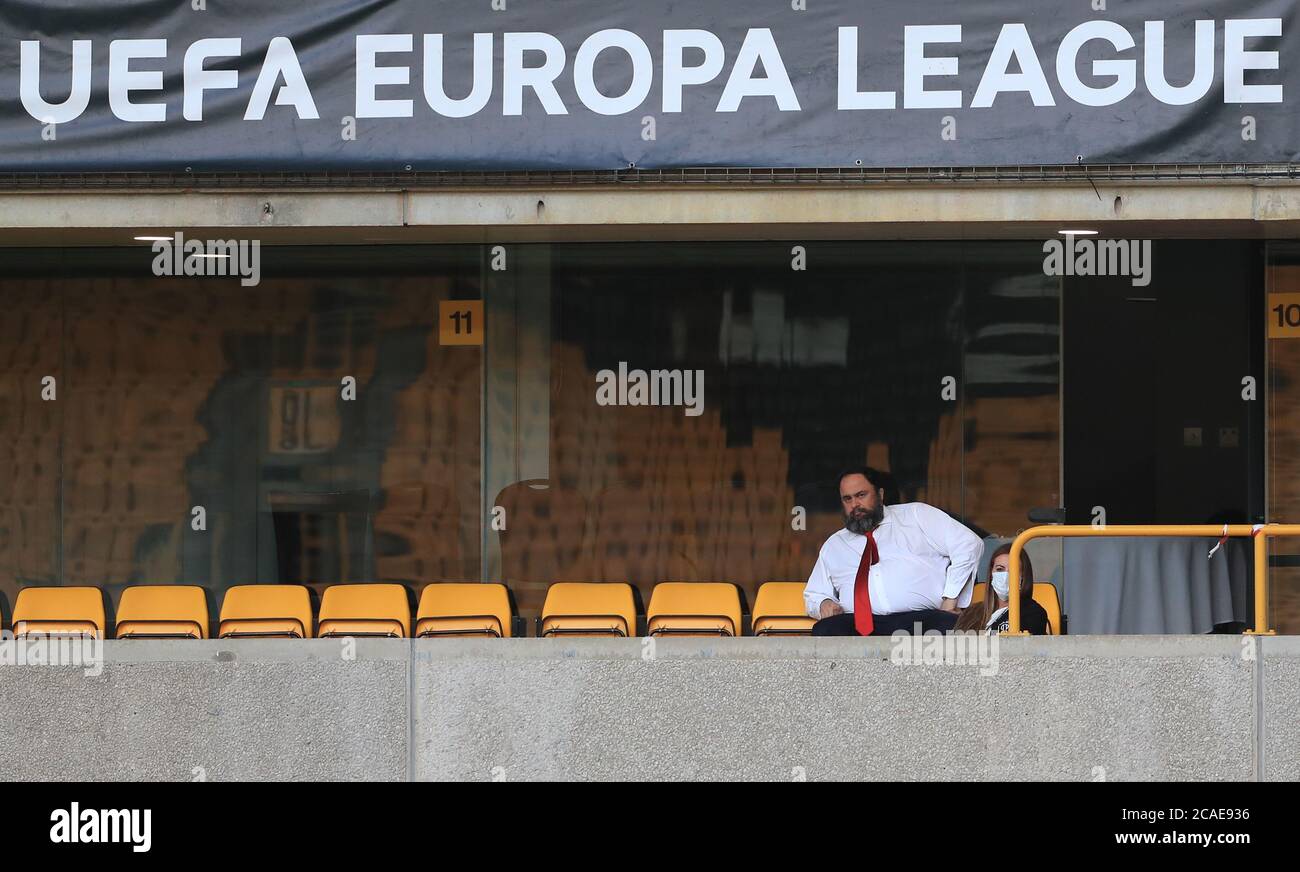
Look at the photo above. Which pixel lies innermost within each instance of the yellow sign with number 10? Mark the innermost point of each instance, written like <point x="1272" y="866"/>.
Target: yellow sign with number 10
<point x="1284" y="316"/>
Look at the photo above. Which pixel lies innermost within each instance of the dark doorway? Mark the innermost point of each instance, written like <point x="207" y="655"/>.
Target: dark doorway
<point x="1157" y="429"/>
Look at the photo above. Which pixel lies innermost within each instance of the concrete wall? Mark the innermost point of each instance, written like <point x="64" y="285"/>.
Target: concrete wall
<point x="1279" y="691"/>
<point x="914" y="210"/>
<point x="176" y="711"/>
<point x="1086" y="708"/>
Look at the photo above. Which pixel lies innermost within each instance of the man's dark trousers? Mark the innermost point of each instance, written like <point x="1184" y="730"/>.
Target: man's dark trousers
<point x="887" y="625"/>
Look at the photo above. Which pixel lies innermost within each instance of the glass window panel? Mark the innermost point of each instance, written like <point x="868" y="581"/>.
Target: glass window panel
<point x="1284" y="436"/>
<point x="176" y="393"/>
<point x="863" y="355"/>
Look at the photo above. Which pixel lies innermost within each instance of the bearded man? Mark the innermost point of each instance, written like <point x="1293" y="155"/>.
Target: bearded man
<point x="908" y="567"/>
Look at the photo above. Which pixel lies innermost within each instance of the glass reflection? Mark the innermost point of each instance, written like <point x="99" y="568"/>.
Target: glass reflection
<point x="912" y="357"/>
<point x="203" y="432"/>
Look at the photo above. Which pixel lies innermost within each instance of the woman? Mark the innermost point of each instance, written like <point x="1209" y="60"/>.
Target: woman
<point x="991" y="613"/>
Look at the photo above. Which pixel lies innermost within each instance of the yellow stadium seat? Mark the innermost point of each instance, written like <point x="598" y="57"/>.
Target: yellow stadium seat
<point x="456" y="609"/>
<point x="269" y="611"/>
<point x="1045" y="595"/>
<point x="680" y="608"/>
<point x="364" y="610"/>
<point x="779" y="610"/>
<point x="59" y="611"/>
<point x="588" y="609"/>
<point x="162" y="611"/>
<point x="978" y="594"/>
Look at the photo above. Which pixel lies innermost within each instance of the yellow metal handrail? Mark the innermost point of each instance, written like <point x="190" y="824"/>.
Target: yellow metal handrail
<point x="1261" y="533"/>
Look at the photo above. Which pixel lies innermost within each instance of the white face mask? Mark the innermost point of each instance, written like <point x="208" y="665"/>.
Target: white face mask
<point x="999" y="581"/>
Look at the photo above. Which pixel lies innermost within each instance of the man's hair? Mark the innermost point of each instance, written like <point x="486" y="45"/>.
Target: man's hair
<point x="874" y="476"/>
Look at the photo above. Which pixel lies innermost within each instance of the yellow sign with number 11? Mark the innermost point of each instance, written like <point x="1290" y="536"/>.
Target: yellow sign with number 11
<point x="460" y="322"/>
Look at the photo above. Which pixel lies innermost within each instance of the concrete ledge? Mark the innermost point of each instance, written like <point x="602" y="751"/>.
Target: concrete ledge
<point x="832" y="709"/>
<point x="1184" y="209"/>
<point x="806" y="648"/>
<point x="1075" y="708"/>
<point x="1280" y="707"/>
<point x="213" y="710"/>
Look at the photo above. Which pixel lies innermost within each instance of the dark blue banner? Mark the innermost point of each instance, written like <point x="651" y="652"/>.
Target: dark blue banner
<point x="425" y="85"/>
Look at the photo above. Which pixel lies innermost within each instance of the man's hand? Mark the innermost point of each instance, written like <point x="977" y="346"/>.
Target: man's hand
<point x="949" y="604"/>
<point x="830" y="608"/>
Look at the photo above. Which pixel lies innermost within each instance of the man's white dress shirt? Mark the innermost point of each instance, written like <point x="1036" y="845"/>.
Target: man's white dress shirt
<point x="925" y="556"/>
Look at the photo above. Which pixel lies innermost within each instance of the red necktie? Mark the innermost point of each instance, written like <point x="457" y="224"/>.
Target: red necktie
<point x="862" y="620"/>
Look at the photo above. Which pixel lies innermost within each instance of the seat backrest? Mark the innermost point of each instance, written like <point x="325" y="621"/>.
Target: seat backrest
<point x="364" y="610"/>
<point x="544" y="537"/>
<point x="59" y="611"/>
<point x="681" y="608"/>
<point x="779" y="610"/>
<point x="979" y="592"/>
<point x="1046" y="596"/>
<point x="628" y="539"/>
<point x="588" y="609"/>
<point x="464" y="609"/>
<point x="162" y="611"/>
<point x="274" y="611"/>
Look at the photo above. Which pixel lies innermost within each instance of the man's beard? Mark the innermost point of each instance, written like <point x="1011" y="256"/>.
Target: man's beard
<point x="862" y="521"/>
